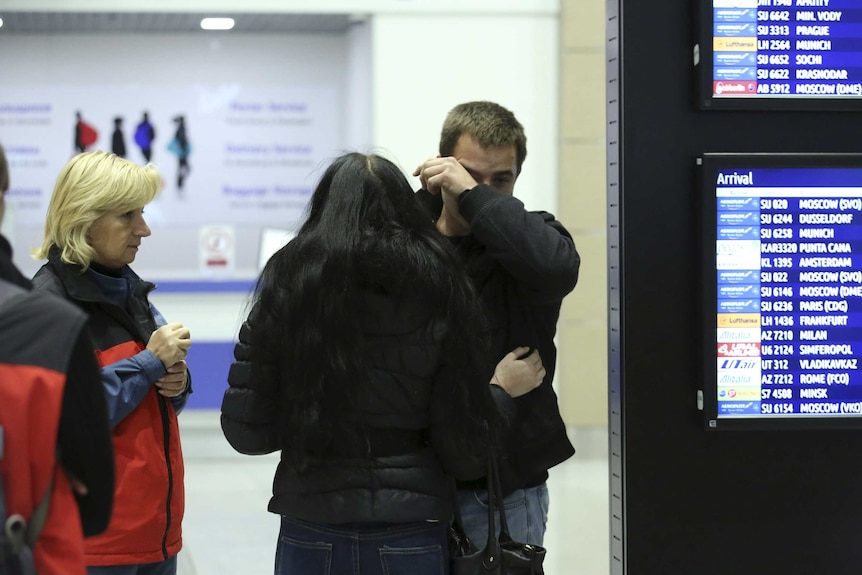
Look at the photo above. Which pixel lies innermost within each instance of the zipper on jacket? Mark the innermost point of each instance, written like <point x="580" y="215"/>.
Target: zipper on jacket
<point x="166" y="429"/>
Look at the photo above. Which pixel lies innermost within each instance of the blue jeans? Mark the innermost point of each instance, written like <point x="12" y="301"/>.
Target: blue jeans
<point x="166" y="567"/>
<point x="409" y="548"/>
<point x="526" y="514"/>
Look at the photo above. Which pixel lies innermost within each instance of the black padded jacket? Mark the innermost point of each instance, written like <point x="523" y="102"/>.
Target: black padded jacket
<point x="401" y="398"/>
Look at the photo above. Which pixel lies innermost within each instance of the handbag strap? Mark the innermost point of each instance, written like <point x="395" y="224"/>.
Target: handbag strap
<point x="494" y="477"/>
<point x="456" y="503"/>
<point x="492" y="548"/>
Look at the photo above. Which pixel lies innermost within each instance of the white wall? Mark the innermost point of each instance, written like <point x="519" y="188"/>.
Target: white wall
<point x="425" y="57"/>
<point x="358" y="97"/>
<point x="421" y="58"/>
<point x="424" y="66"/>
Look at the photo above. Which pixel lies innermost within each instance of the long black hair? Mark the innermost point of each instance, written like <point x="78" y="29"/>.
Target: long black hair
<point x="364" y="231"/>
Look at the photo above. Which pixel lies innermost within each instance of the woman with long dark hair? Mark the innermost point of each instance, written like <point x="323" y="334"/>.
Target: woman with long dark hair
<point x="360" y="362"/>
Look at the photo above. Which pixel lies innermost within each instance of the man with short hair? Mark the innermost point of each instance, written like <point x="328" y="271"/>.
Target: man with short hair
<point x="522" y="264"/>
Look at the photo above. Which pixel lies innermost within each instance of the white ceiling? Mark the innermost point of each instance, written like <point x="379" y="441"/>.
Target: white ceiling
<point x="149" y="22"/>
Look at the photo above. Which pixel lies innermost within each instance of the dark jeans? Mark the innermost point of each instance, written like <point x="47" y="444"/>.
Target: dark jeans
<point x="409" y="548"/>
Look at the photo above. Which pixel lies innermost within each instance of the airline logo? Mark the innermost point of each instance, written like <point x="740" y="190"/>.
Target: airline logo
<point x="734" y="4"/>
<point x="750" y="378"/>
<point x="735" y="29"/>
<point x="738" y="320"/>
<point x="738" y="218"/>
<point x="732" y="366"/>
<point x="738" y="233"/>
<point x="740" y="44"/>
<point x="738" y="393"/>
<point x="737" y="254"/>
<point x="738" y="204"/>
<point x="737" y="248"/>
<point x="737" y="306"/>
<point x="723" y="59"/>
<point x="734" y="15"/>
<point x="737" y="334"/>
<point x="738" y="291"/>
<point x="737" y="379"/>
<point x="734" y="87"/>
<point x="737" y="408"/>
<point x="738" y="349"/>
<point x="746" y="73"/>
<point x="738" y="277"/>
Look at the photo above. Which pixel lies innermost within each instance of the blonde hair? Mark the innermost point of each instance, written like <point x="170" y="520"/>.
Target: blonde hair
<point x="89" y="186"/>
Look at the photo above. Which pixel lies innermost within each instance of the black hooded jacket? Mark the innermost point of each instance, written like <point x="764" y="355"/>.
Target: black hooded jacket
<point x="522" y="264"/>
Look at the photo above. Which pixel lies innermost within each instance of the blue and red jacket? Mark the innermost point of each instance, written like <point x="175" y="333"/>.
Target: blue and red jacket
<point x="149" y="499"/>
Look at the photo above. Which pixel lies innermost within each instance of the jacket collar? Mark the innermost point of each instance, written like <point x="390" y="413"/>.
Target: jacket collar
<point x="80" y="286"/>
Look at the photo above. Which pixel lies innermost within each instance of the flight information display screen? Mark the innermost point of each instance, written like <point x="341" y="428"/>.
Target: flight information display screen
<point x="783" y="289"/>
<point x="781" y="50"/>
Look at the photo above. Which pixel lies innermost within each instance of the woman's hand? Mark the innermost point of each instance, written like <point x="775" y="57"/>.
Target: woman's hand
<point x="518" y="373"/>
<point x="170" y="343"/>
<point x="174" y="382"/>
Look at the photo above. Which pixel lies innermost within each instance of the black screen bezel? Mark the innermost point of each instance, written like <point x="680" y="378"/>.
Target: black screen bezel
<point x="707" y="165"/>
<point x="704" y="64"/>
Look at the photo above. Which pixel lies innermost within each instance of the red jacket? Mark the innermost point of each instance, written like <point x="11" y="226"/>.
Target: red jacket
<point x="149" y="499"/>
<point x="36" y="340"/>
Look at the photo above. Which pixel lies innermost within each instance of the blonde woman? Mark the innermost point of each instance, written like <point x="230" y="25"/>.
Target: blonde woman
<point x="93" y="231"/>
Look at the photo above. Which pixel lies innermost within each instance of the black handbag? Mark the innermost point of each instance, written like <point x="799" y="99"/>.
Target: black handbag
<point x="501" y="555"/>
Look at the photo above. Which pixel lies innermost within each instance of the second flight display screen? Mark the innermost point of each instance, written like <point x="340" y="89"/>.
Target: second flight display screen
<point x="789" y="292"/>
